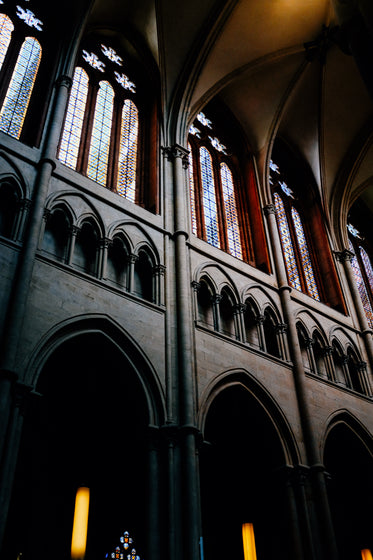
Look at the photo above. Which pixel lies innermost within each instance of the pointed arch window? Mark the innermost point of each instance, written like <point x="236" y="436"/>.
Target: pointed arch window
<point x="362" y="269"/>
<point x="23" y="56"/>
<point x="100" y="137"/>
<point x="296" y="247"/>
<point x="219" y="212"/>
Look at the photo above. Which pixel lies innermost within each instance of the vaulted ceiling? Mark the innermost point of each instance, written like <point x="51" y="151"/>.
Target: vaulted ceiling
<point x="276" y="66"/>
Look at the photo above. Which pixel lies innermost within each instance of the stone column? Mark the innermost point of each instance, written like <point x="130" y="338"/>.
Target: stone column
<point x="74" y="231"/>
<point x="159" y="273"/>
<point x="154" y="529"/>
<point x="239" y="310"/>
<point x="325" y="534"/>
<point x="262" y="339"/>
<point x="21" y="396"/>
<point x="216" y="298"/>
<point x="281" y="330"/>
<point x="23" y="274"/>
<point x="131" y="272"/>
<point x="21" y="219"/>
<point x="102" y="257"/>
<point x="178" y="156"/>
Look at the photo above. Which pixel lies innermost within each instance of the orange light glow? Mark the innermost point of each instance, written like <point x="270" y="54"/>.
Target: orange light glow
<point x="366" y="554"/>
<point x="248" y="540"/>
<point x="80" y="527"/>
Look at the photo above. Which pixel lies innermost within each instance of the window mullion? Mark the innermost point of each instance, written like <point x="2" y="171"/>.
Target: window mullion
<point x="112" y="173"/>
<point x="222" y="222"/>
<point x="85" y="141"/>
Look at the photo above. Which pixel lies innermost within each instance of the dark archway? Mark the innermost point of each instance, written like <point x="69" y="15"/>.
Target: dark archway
<point x="89" y="428"/>
<point x="240" y="479"/>
<point x="350" y="465"/>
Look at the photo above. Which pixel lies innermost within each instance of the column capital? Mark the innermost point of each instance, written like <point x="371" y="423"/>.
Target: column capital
<point x="176" y="151"/>
<point x="269" y="209"/>
<point x="196" y="285"/>
<point x="64" y="81"/>
<point x="345" y="255"/>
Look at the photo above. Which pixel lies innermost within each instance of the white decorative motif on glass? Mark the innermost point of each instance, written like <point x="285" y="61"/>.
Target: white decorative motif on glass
<point x="123" y="80"/>
<point x="110" y="53"/>
<point x="94" y="61"/>
<point x="29" y="18"/>
<point x="204" y="120"/>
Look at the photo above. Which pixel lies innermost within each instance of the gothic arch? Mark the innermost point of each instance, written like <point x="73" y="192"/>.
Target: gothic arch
<point x="115" y="334"/>
<point x="242" y="378"/>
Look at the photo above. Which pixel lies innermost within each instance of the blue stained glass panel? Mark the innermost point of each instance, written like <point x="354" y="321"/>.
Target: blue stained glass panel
<point x="6" y="28"/>
<point x="17" y="98"/>
<point x="362" y="288"/>
<point x="209" y="198"/>
<point x="69" y="147"/>
<point x="287" y="245"/>
<point x="304" y="254"/>
<point x="101" y="132"/>
<point x="127" y="164"/>
<point x="231" y="215"/>
<point x="192" y="192"/>
<point x="368" y="267"/>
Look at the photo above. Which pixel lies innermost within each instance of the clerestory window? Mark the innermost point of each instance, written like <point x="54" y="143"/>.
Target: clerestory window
<point x="296" y="246"/>
<point x="101" y="134"/>
<point x="220" y="212"/>
<point x="20" y="57"/>
<point x="362" y="268"/>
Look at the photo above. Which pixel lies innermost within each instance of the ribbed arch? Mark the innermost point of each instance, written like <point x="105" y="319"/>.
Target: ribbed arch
<point x="17" y="98"/>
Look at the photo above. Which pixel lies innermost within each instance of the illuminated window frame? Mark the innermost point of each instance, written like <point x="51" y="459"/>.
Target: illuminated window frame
<point x="101" y="132"/>
<point x="362" y="268"/>
<point x="20" y="57"/>
<point x="214" y="186"/>
<point x="296" y="243"/>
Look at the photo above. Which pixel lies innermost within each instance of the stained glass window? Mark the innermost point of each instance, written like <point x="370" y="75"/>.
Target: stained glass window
<point x="103" y="119"/>
<point x="192" y="192"/>
<point x="367" y="266"/>
<point x="69" y="147"/>
<point x="6" y="29"/>
<point x="304" y="254"/>
<point x="231" y="215"/>
<point x="101" y="132"/>
<point x="287" y="244"/>
<point x="209" y="198"/>
<point x="362" y="289"/>
<point x="120" y="551"/>
<point x="16" y="101"/>
<point x="126" y="185"/>
<point x="214" y="173"/>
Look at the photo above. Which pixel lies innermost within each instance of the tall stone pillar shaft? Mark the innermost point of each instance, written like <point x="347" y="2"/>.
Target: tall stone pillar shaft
<point x="325" y="525"/>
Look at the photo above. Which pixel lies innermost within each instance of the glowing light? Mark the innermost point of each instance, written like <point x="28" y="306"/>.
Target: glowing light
<point x="366" y="554"/>
<point x="80" y="527"/>
<point x="248" y="540"/>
